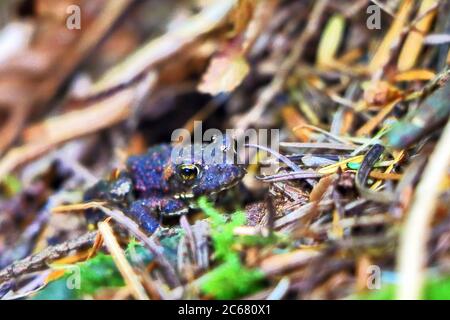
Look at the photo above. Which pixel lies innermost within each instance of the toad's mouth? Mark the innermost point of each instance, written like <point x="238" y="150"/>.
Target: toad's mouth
<point x="191" y="195"/>
<point x="177" y="213"/>
<point x="184" y="196"/>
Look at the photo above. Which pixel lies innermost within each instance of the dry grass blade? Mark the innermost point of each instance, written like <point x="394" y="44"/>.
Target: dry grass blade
<point x="318" y="145"/>
<point x="280" y="290"/>
<point x="412" y="253"/>
<point x="76" y="207"/>
<point x="383" y="52"/>
<point x="375" y="121"/>
<point x="414" y="42"/>
<point x="280" y="157"/>
<point x="283" y="262"/>
<point x="130" y="277"/>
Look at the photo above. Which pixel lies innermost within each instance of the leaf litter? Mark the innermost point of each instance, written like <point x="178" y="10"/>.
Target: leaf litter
<point x="362" y="177"/>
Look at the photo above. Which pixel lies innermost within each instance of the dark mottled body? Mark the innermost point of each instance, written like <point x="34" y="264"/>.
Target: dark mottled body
<point x="154" y="185"/>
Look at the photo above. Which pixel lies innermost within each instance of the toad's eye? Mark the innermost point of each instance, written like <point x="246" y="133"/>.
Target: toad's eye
<point x="188" y="172"/>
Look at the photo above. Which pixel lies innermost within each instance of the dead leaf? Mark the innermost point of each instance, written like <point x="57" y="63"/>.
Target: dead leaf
<point x="384" y="50"/>
<point x="229" y="67"/>
<point x="330" y="41"/>
<point x="380" y="93"/>
<point x="294" y="119"/>
<point x="225" y="73"/>
<point x="414" y="43"/>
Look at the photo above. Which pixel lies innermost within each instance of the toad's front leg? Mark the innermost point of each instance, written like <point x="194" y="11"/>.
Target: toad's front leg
<point x="147" y="212"/>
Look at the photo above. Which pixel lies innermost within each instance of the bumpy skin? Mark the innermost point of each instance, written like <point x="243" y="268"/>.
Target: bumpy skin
<point x="152" y="186"/>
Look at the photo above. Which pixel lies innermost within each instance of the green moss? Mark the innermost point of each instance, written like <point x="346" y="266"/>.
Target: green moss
<point x="100" y="272"/>
<point x="436" y="288"/>
<point x="231" y="279"/>
<point x="83" y="278"/>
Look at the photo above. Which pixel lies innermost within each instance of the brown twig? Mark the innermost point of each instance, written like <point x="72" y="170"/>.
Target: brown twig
<point x="39" y="261"/>
<point x="130" y="277"/>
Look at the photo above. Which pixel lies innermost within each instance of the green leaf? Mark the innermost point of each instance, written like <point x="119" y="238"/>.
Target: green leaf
<point x="331" y="40"/>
